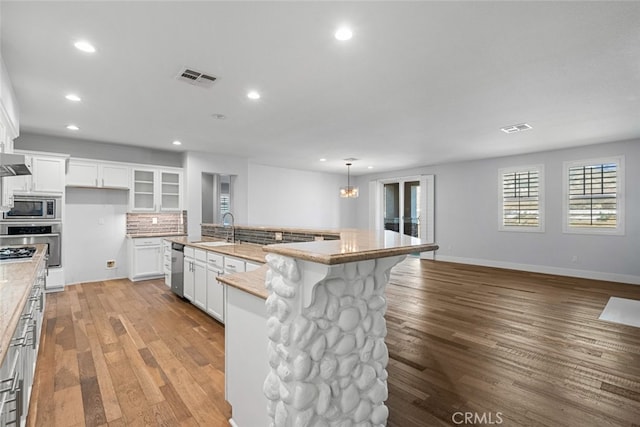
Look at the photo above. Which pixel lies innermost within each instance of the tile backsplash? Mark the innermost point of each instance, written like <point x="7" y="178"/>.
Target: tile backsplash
<point x="265" y="235"/>
<point x="144" y="223"/>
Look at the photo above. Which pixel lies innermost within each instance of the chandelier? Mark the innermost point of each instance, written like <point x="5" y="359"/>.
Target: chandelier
<point x="349" y="191"/>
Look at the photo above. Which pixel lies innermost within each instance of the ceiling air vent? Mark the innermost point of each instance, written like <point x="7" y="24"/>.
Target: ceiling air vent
<point x="196" y="78"/>
<point x="515" y="128"/>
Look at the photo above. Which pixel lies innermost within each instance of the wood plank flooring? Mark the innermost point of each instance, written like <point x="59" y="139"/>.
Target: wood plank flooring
<point x="510" y="348"/>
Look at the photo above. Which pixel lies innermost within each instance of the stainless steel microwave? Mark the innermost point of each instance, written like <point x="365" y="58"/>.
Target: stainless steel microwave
<point x="34" y="208"/>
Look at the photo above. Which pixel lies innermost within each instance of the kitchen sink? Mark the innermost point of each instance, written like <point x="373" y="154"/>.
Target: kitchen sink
<point x="213" y="244"/>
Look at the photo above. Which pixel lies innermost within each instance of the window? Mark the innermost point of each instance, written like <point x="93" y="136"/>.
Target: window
<point x="521" y="199"/>
<point x="593" y="196"/>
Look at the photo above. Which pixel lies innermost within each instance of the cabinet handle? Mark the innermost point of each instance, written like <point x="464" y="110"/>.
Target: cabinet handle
<point x="96" y="182"/>
<point x="103" y="182"/>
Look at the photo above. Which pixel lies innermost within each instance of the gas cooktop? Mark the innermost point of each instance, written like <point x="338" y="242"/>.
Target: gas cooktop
<point x="24" y="252"/>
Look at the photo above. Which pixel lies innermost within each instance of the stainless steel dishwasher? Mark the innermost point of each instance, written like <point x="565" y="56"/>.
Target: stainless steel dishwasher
<point x="177" y="269"/>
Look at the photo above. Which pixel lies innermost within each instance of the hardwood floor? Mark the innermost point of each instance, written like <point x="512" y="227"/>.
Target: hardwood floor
<point x="505" y="347"/>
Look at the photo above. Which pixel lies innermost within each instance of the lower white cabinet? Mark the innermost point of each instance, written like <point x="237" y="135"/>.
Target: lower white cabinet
<point x="166" y="262"/>
<point x="201" y="285"/>
<point x="146" y="258"/>
<point x="195" y="276"/>
<point x="200" y="279"/>
<point x="215" y="289"/>
<point x="18" y="369"/>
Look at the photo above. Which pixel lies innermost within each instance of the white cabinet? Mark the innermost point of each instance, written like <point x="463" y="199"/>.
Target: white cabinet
<point x="195" y="276"/>
<point x="156" y="190"/>
<point x="47" y="176"/>
<point x="200" y="279"/>
<point x="92" y="174"/>
<point x="146" y="258"/>
<point x="215" y="290"/>
<point x="166" y="262"/>
<point x="189" y="278"/>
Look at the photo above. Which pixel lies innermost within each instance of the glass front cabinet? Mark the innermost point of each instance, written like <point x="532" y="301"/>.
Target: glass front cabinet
<point x="156" y="190"/>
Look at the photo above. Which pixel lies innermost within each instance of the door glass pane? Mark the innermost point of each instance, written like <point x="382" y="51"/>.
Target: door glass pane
<point x="411" y="209"/>
<point x="392" y="206"/>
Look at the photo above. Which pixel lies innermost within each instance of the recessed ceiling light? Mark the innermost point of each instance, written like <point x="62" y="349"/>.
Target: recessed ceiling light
<point x="253" y="95"/>
<point x="516" y="128"/>
<point x="343" y="34"/>
<point x="219" y="116"/>
<point x="323" y="160"/>
<point x="369" y="167"/>
<point x="176" y="142"/>
<point x="73" y="97"/>
<point x="73" y="127"/>
<point x="84" y="46"/>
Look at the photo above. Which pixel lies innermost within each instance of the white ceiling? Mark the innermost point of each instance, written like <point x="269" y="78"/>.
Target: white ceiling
<point x="420" y="83"/>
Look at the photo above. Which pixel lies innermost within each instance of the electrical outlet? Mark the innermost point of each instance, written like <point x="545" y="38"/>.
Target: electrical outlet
<point x="278" y="236"/>
<point x="154" y="220"/>
<point x="574" y="258"/>
<point x="111" y="263"/>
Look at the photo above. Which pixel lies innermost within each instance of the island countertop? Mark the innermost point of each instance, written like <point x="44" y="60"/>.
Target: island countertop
<point x="16" y="280"/>
<point x="353" y="245"/>
<point x="247" y="251"/>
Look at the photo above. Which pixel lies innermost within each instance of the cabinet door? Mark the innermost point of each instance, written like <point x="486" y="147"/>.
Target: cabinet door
<point x="48" y="174"/>
<point x="114" y="176"/>
<point x="189" y="279"/>
<point x="215" y="295"/>
<point x="82" y="174"/>
<point x="200" y="284"/>
<point x="143" y="190"/>
<point x="171" y="191"/>
<point x="147" y="261"/>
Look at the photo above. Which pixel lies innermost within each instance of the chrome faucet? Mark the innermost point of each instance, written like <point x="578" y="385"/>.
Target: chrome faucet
<point x="231" y="238"/>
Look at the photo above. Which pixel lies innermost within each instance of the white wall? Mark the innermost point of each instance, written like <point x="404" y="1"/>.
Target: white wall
<point x="472" y="236"/>
<point x="297" y="198"/>
<point x="94" y="232"/>
<point x="8" y="104"/>
<point x="194" y="164"/>
<point x="98" y="150"/>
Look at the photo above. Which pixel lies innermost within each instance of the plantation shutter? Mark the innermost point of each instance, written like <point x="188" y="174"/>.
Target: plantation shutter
<point x="521" y="198"/>
<point x="593" y="195"/>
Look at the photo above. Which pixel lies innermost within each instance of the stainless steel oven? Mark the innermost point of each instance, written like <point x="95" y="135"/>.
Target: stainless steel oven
<point x="34" y="208"/>
<point x="29" y="233"/>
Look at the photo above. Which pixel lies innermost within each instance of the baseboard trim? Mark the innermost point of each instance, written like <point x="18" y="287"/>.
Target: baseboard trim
<point x="97" y="280"/>
<point x="232" y="423"/>
<point x="571" y="272"/>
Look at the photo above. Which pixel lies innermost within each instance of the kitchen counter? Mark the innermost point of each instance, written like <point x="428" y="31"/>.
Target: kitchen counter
<point x="354" y="245"/>
<point x="247" y="251"/>
<point x="252" y="282"/>
<point x="16" y="280"/>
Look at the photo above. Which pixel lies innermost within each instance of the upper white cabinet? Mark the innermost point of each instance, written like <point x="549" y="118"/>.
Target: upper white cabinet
<point x="156" y="190"/>
<point x="92" y="174"/>
<point x="47" y="176"/>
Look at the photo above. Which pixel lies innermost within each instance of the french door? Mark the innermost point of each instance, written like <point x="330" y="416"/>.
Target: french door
<point x="405" y="205"/>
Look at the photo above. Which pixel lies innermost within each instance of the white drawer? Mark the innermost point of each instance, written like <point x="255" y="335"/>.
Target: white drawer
<point x="152" y="241"/>
<point x="233" y="265"/>
<point x="189" y="251"/>
<point x="200" y="255"/>
<point x="215" y="260"/>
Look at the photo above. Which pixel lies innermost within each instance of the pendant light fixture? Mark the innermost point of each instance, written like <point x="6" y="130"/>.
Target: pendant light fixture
<point x="349" y="191"/>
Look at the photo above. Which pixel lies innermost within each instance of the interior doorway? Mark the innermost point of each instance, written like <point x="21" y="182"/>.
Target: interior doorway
<point x="216" y="197"/>
<point x="405" y="205"/>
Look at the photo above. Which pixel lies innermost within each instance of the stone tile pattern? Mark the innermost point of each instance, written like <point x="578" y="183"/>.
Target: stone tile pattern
<point x="142" y="223"/>
<point x="327" y="361"/>
<point x="263" y="236"/>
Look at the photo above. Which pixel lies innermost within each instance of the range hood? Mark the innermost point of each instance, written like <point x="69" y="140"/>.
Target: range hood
<point x="13" y="164"/>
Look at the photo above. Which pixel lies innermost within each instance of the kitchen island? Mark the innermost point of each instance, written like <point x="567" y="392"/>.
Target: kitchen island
<point x="313" y="353"/>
